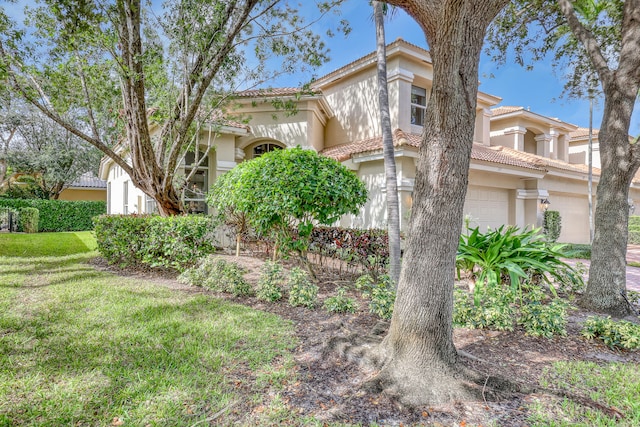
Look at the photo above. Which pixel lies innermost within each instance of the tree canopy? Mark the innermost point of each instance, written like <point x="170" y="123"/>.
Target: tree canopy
<point x="145" y="78"/>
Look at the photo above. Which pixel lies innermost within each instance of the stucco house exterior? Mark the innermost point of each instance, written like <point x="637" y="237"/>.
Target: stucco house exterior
<point x="86" y="187"/>
<point x="519" y="158"/>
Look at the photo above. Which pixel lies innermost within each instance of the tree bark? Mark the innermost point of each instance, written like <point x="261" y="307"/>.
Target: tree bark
<point x="606" y="288"/>
<point x="420" y="361"/>
<point x="393" y="205"/>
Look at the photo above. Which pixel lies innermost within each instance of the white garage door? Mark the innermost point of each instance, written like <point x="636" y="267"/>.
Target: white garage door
<point x="488" y="207"/>
<point x="574" y="217"/>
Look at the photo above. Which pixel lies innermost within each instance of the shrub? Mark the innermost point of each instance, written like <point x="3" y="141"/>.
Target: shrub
<point x="61" y="215"/>
<point x="269" y="283"/>
<point x="508" y="254"/>
<point x="218" y="275"/>
<point x="340" y="303"/>
<point x="289" y="190"/>
<point x="620" y="334"/>
<point x="576" y="250"/>
<point x="544" y="320"/>
<point x="495" y="311"/>
<point x="301" y="291"/>
<point x="552" y="225"/>
<point x="171" y="242"/>
<point x="28" y="219"/>
<point x="382" y="298"/>
<point x="368" y="249"/>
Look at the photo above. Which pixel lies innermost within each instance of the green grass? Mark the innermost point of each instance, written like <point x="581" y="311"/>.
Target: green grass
<point x="82" y="347"/>
<point x="577" y="250"/>
<point x="614" y="385"/>
<point x="46" y="244"/>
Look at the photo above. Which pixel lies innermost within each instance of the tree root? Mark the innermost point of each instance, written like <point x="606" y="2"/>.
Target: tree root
<point x="437" y="387"/>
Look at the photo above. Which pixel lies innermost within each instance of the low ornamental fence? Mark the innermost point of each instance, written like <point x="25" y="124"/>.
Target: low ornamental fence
<point x="8" y="220"/>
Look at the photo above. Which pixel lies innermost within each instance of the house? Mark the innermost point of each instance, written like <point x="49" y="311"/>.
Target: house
<point x="86" y="187"/>
<point x="519" y="160"/>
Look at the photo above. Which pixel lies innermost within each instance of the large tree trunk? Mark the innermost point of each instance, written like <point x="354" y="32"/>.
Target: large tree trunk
<point x="420" y="361"/>
<point x="393" y="205"/>
<point x="606" y="289"/>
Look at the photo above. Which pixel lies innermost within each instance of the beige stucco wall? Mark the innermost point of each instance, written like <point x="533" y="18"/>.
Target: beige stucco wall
<point x="98" y="194"/>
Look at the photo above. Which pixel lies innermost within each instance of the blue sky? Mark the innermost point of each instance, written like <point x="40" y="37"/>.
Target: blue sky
<point x="539" y="89"/>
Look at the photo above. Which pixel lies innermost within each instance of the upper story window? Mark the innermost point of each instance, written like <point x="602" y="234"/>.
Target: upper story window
<point x="418" y="105"/>
<point x="259" y="150"/>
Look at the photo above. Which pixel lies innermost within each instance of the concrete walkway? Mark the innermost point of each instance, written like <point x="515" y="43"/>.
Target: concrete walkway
<point x="633" y="273"/>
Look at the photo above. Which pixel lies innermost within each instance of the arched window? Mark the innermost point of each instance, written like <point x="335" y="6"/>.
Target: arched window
<point x="260" y="149"/>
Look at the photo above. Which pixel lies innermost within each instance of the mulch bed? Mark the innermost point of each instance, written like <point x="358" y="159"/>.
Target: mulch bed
<point x="329" y="388"/>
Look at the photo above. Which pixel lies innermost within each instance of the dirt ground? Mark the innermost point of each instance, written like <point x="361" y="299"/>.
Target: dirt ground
<point x="329" y="388"/>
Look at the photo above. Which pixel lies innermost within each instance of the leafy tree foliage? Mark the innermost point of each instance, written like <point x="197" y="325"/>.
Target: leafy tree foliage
<point x="287" y="192"/>
<point x="146" y="80"/>
<point x="50" y="155"/>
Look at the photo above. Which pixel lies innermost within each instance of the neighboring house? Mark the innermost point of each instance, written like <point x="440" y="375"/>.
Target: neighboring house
<point x="87" y="187"/>
<point x="519" y="158"/>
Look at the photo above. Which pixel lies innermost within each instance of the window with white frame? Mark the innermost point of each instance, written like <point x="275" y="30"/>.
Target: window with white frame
<point x="197" y="170"/>
<point x="418" y="105"/>
<point x="125" y="197"/>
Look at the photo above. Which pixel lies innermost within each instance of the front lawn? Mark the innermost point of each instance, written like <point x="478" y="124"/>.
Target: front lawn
<point x="84" y="347"/>
<point x="46" y="244"/>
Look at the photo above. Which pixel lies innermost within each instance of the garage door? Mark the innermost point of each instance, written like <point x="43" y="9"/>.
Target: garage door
<point x="488" y="207"/>
<point x="574" y="214"/>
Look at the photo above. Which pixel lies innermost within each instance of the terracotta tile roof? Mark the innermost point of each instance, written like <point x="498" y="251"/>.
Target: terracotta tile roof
<point x="498" y="111"/>
<point x="345" y="151"/>
<point x="503" y="156"/>
<point x="493" y="154"/>
<point x="583" y="133"/>
<point x="276" y="91"/>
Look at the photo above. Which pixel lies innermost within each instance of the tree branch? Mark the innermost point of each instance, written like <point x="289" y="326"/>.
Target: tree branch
<point x="588" y="41"/>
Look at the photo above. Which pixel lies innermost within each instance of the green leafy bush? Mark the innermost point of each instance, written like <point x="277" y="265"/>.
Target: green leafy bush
<point x="552" y="225"/>
<point x="508" y="256"/>
<point x="219" y="275"/>
<point x="171" y="242"/>
<point x="28" y="219"/>
<point x="621" y="334"/>
<point x="544" y="320"/>
<point x="301" y="291"/>
<point x="340" y="303"/>
<point x="576" y="250"/>
<point x="382" y="298"/>
<point x="496" y="311"/>
<point x="380" y="292"/>
<point x="270" y="281"/>
<point x="285" y="193"/>
<point x="61" y="215"/>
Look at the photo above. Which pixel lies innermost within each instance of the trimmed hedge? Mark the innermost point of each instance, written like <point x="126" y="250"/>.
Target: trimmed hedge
<point x="28" y="220"/>
<point x="61" y="215"/>
<point x="175" y="242"/>
<point x="552" y="225"/>
<point x="634" y="230"/>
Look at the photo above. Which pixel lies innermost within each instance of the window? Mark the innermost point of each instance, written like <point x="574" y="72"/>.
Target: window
<point x="197" y="186"/>
<point x="125" y="197"/>
<point x="418" y="105"/>
<point x="259" y="150"/>
<point x="150" y="205"/>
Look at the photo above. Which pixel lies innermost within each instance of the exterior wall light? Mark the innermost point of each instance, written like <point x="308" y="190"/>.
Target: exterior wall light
<point x="544" y="204"/>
